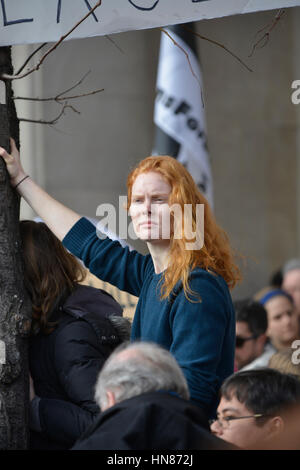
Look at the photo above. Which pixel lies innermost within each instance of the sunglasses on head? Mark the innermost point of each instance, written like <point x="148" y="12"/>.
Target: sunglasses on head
<point x="239" y="341"/>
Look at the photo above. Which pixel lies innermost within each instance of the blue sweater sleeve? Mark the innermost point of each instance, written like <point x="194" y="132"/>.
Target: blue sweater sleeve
<point x="199" y="330"/>
<point x="107" y="259"/>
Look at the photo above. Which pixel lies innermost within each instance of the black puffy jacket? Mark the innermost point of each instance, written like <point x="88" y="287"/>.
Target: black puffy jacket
<point x="64" y="366"/>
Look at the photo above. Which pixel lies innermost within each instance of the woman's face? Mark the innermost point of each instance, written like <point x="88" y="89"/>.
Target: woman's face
<point x="149" y="209"/>
<point x="283" y="325"/>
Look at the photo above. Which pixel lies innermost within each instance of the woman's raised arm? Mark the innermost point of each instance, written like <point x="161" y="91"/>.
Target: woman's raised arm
<point x="58" y="217"/>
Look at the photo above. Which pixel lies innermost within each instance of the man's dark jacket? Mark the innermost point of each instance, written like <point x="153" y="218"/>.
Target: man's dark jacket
<point x="65" y="364"/>
<point x="151" y="421"/>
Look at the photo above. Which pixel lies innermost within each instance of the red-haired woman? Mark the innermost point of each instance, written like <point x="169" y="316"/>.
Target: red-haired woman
<point x="184" y="300"/>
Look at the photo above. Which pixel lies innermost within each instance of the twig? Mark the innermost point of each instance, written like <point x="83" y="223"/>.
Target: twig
<point x="185" y="53"/>
<point x="114" y="43"/>
<point x="58" y="98"/>
<point x="81" y="95"/>
<point x="61" y="96"/>
<point x="76" y="84"/>
<point x="220" y="45"/>
<point x="53" y="121"/>
<point x="15" y="77"/>
<point x="30" y="57"/>
<point x="263" y="41"/>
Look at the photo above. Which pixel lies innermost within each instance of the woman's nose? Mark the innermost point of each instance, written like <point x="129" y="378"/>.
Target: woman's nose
<point x="147" y="206"/>
<point x="287" y="320"/>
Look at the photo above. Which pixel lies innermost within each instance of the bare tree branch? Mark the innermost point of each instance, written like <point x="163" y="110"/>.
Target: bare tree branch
<point x="30" y="57"/>
<point x="61" y="96"/>
<point x="53" y="121"/>
<point x="114" y="43"/>
<point x="61" y="99"/>
<point x="264" y="39"/>
<point x="219" y="45"/>
<point x="76" y="84"/>
<point x="183" y="50"/>
<point x="25" y="74"/>
<point x="188" y="59"/>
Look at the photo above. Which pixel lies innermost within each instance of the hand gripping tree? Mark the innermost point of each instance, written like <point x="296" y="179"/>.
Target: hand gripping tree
<point x="15" y="309"/>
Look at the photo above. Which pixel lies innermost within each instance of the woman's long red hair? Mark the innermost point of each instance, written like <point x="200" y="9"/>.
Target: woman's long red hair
<point x="216" y="254"/>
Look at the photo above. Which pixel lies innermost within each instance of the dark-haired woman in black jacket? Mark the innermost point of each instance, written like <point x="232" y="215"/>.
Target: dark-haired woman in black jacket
<point x="74" y="330"/>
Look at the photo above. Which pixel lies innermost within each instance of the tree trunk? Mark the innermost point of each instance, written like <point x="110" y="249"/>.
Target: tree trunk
<point x="15" y="311"/>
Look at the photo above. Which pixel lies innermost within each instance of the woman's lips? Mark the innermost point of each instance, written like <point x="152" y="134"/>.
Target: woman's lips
<point x="148" y="223"/>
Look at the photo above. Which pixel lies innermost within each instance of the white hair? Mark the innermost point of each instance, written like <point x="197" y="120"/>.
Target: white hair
<point x="138" y="368"/>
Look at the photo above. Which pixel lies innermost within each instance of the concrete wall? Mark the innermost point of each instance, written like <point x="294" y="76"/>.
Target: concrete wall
<point x="253" y="130"/>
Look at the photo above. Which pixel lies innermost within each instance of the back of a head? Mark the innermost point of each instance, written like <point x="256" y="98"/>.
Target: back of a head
<point x="49" y="270"/>
<point x="253" y="313"/>
<point x="291" y="265"/>
<point x="139" y="368"/>
<point x="263" y="391"/>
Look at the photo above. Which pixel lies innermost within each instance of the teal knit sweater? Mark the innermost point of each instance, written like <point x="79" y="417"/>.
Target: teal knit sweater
<point x="200" y="335"/>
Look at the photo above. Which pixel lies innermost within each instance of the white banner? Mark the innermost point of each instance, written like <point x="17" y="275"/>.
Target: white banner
<point x="35" y="21"/>
<point x="179" y="111"/>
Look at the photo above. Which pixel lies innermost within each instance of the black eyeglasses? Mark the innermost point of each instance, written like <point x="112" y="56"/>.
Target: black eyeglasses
<point x="239" y="341"/>
<point x="224" y="422"/>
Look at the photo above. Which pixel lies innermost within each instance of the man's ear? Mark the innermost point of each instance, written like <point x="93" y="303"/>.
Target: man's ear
<point x="261" y="340"/>
<point x="111" y="400"/>
<point x="275" y="427"/>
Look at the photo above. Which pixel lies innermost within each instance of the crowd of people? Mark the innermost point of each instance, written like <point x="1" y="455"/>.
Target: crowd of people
<point x="194" y="370"/>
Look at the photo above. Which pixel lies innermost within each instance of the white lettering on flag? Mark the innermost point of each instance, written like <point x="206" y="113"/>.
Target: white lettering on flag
<point x="179" y="111"/>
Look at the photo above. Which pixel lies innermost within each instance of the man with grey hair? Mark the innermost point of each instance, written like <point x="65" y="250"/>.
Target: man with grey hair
<point x="291" y="281"/>
<point x="143" y="396"/>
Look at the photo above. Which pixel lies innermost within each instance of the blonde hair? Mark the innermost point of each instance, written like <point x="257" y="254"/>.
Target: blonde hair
<point x="262" y="292"/>
<point x="216" y="254"/>
<point x="282" y="361"/>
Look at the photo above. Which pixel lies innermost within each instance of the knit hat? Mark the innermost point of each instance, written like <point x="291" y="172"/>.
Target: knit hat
<point x="290" y="265"/>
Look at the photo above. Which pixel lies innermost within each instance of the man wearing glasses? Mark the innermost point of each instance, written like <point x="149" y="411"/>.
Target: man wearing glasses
<point x="252" y="348"/>
<point x="259" y="409"/>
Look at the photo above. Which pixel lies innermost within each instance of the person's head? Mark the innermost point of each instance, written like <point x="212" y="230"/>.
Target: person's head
<point x="137" y="368"/>
<point x="49" y="270"/>
<point x="159" y="184"/>
<point x="283" y="324"/>
<point x="285" y="361"/>
<point x="276" y="279"/>
<point x="251" y="326"/>
<point x="253" y="407"/>
<point x="291" y="281"/>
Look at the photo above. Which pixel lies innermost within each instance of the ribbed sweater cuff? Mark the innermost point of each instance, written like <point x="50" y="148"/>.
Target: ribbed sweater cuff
<point x="74" y="240"/>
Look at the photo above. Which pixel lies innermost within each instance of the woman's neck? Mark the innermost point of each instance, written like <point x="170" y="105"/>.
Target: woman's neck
<point x="160" y="255"/>
<point x="280" y="345"/>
